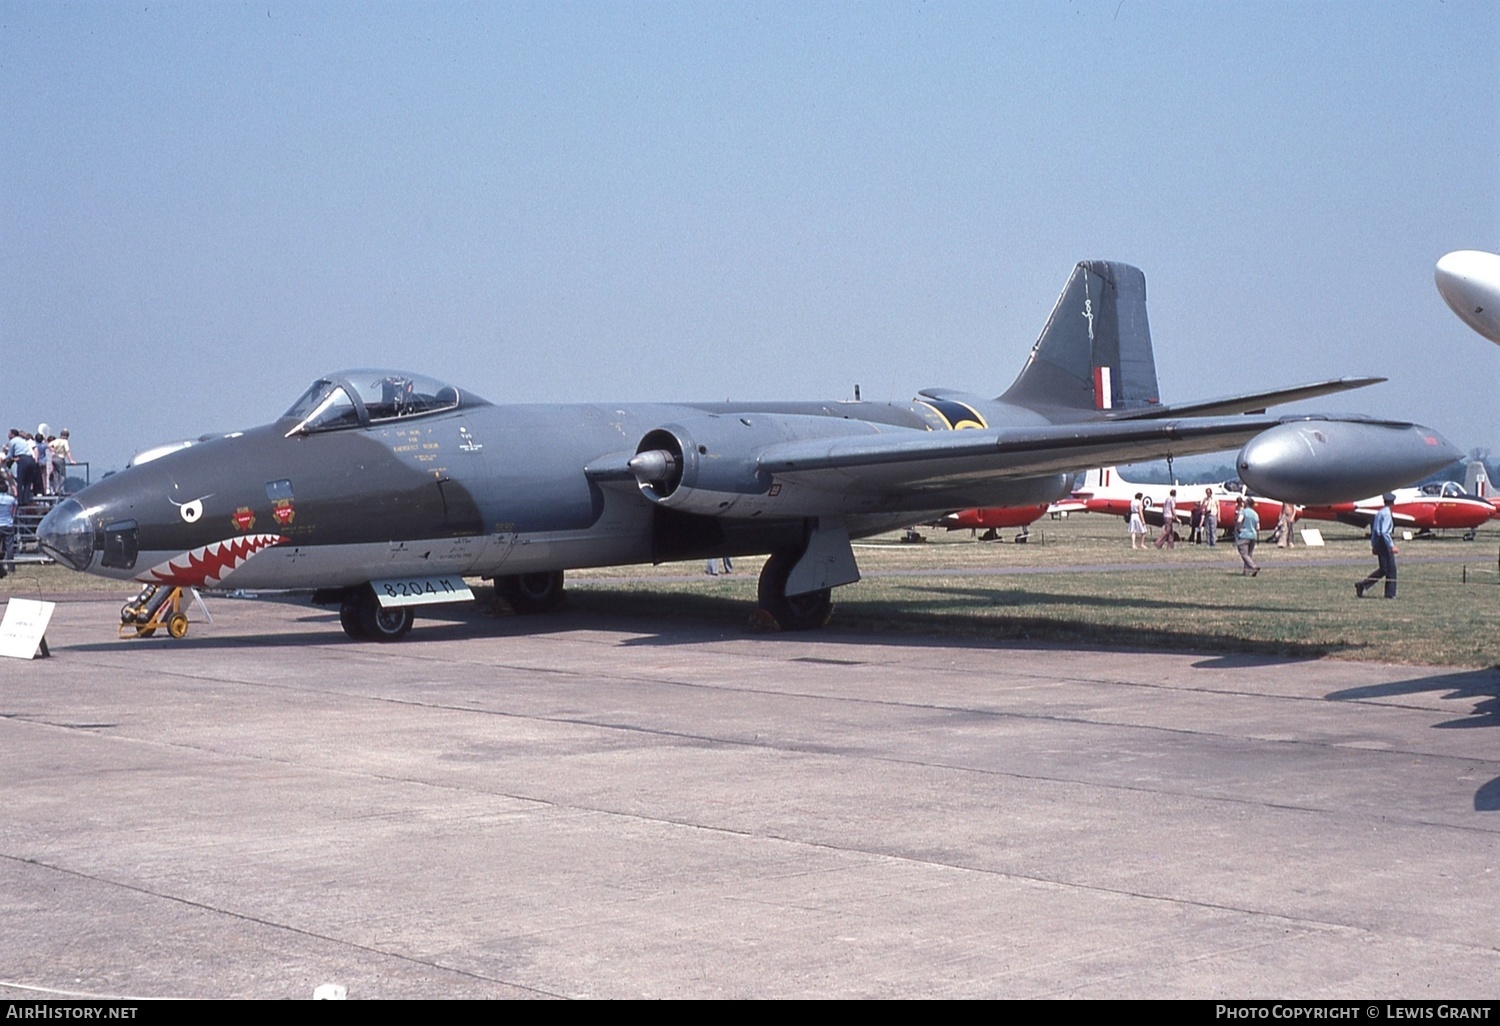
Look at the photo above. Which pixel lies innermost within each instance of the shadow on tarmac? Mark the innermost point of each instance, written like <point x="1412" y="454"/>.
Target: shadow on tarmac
<point x="661" y="618"/>
<point x="1487" y="798"/>
<point x="671" y="619"/>
<point x="1480" y="686"/>
<point x="950" y="620"/>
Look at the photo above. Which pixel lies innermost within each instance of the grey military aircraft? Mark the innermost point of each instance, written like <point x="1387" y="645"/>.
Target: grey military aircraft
<point x="379" y="490"/>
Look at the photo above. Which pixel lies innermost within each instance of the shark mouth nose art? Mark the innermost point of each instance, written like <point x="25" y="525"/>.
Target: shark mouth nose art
<point x="208" y="565"/>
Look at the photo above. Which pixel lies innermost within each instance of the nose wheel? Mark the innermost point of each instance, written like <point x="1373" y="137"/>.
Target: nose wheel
<point x="365" y="619"/>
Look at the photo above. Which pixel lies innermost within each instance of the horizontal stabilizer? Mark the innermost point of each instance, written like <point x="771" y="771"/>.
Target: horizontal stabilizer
<point x="1255" y="402"/>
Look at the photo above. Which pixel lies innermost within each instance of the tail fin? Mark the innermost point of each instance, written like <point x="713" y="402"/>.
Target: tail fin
<point x="1095" y="352"/>
<point x="1477" y="480"/>
<point x="1099" y="479"/>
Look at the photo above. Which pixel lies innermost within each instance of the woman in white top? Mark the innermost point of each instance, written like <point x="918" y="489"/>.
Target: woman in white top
<point x="1137" y="522"/>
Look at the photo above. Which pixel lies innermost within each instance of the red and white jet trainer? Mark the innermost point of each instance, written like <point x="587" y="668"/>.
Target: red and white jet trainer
<point x="1428" y="508"/>
<point x="1477" y="482"/>
<point x="994" y="518"/>
<point x="1104" y="491"/>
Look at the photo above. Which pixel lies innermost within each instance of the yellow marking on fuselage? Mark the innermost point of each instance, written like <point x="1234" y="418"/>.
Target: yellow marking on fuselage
<point x="974" y="420"/>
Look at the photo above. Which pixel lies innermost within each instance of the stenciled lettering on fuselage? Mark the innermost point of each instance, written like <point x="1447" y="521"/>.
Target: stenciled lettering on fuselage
<point x="956" y="415"/>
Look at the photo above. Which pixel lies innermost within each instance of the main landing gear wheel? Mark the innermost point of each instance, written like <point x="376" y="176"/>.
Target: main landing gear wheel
<point x="386" y="623"/>
<point x="364" y="618"/>
<point x="780" y="611"/>
<point x="532" y="593"/>
<point x="349" y="618"/>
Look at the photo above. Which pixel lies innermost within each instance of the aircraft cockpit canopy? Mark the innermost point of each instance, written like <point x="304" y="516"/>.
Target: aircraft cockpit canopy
<point x="1446" y="490"/>
<point x="360" y="398"/>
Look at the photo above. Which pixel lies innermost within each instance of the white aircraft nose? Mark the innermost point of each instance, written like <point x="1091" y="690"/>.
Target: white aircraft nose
<point x="1469" y="282"/>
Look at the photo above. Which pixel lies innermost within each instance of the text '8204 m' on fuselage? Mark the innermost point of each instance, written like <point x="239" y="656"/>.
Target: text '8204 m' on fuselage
<point x="375" y="475"/>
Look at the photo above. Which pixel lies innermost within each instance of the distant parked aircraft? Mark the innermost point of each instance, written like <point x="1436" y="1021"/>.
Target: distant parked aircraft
<point x="1432" y="507"/>
<point x="1477" y="482"/>
<point x="994" y="519"/>
<point x="1104" y="491"/>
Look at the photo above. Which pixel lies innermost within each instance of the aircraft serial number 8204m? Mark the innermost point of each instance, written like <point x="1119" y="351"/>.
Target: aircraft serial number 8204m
<point x="373" y="476"/>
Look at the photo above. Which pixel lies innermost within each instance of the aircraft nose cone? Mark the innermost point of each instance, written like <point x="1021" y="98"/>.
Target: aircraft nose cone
<point x="1321" y="462"/>
<point x="67" y="535"/>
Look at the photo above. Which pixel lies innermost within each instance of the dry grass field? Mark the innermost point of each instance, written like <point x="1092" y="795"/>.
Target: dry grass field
<point x="1078" y="582"/>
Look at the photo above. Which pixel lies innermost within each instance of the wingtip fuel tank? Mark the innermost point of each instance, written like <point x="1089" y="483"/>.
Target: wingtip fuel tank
<point x="1469" y="282"/>
<point x="1318" y="462"/>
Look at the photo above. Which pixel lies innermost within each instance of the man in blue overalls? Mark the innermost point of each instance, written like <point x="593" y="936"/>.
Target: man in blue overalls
<point x="1384" y="547"/>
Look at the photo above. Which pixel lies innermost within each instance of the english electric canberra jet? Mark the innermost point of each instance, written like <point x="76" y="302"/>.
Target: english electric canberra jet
<point x="378" y="489"/>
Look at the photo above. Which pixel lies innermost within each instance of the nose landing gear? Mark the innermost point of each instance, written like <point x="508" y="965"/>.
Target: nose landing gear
<point x="365" y="619"/>
<point x="154" y="607"/>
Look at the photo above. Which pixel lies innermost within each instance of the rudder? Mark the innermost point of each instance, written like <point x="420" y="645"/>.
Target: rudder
<point x="1095" y="352"/>
<point x="1477" y="480"/>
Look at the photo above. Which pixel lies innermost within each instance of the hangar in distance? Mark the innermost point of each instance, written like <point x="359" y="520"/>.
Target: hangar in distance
<point x="374" y="484"/>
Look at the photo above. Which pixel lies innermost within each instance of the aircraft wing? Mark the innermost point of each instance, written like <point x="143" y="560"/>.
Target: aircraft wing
<point x="1364" y="516"/>
<point x="1254" y="402"/>
<point x="914" y="460"/>
<point x="845" y="464"/>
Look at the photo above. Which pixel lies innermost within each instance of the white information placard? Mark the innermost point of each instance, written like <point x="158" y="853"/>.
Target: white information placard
<point x="421" y="591"/>
<point x="24" y="625"/>
<point x="1312" y="536"/>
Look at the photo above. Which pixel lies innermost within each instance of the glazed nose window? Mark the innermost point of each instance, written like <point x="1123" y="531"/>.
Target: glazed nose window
<point x="67" y="534"/>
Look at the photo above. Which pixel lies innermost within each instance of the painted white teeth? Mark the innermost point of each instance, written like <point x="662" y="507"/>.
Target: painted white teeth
<point x="210" y="564"/>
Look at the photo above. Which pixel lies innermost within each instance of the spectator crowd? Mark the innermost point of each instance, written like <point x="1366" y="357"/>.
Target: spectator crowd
<point x="34" y="465"/>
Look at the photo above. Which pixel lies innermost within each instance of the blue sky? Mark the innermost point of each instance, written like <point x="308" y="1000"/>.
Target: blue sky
<point x="204" y="206"/>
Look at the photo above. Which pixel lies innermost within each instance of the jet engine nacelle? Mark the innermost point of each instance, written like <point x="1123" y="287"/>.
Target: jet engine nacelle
<point x="708" y="465"/>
